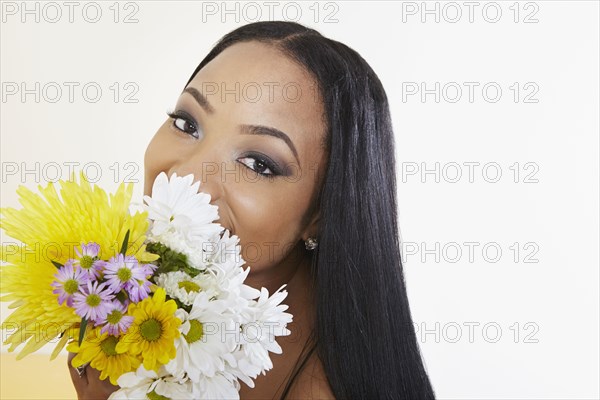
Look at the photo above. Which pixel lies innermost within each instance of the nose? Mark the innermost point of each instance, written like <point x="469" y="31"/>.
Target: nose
<point x="207" y="172"/>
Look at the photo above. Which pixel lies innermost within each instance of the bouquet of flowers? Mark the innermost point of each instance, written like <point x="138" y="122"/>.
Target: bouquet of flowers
<point x="155" y="300"/>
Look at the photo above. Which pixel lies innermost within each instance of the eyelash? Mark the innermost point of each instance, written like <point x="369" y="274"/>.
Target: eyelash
<point x="175" y="115"/>
<point x="271" y="165"/>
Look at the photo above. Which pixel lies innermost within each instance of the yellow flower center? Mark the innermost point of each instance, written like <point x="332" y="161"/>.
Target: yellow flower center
<point x="155" y="396"/>
<point x="195" y="333"/>
<point x="114" y="317"/>
<point x="93" y="300"/>
<point x="151" y="329"/>
<point x="86" y="262"/>
<point x="108" y="346"/>
<point x="189" y="286"/>
<point x="71" y="286"/>
<point x="124" y="274"/>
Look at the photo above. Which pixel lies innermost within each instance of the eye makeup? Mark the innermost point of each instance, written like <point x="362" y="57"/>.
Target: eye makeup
<point x="189" y="126"/>
<point x="185" y="123"/>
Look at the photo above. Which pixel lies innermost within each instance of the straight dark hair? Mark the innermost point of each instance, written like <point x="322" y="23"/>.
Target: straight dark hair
<point x="364" y="333"/>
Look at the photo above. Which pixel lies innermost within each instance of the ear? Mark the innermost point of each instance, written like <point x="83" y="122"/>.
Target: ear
<point x="313" y="226"/>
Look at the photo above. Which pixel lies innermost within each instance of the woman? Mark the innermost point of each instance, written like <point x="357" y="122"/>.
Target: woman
<point x="290" y="134"/>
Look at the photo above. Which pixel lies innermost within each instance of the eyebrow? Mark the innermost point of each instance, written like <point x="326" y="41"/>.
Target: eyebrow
<point x="267" y="130"/>
<point x="246" y="129"/>
<point x="200" y="98"/>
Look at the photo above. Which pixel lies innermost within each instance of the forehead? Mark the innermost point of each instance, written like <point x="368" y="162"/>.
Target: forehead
<point x="255" y="83"/>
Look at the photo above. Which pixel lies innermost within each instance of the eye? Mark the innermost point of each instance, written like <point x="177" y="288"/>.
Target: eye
<point x="260" y="164"/>
<point x="185" y="123"/>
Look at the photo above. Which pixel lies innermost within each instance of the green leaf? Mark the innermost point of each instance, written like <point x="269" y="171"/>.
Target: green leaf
<point x="125" y="243"/>
<point x="82" y="329"/>
<point x="57" y="264"/>
<point x="121" y="296"/>
<point x="169" y="260"/>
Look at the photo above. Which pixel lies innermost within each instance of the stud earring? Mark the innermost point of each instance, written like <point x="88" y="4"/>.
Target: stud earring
<point x="311" y="243"/>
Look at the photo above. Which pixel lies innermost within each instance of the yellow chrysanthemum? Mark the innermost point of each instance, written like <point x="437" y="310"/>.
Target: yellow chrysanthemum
<point x="153" y="331"/>
<point x="99" y="350"/>
<point x="50" y="225"/>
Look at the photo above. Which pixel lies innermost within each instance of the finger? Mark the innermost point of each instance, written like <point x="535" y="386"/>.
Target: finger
<point x="78" y="381"/>
<point x="99" y="386"/>
<point x="93" y="375"/>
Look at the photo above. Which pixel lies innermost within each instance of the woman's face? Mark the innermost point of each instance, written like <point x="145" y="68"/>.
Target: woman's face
<point x="249" y="127"/>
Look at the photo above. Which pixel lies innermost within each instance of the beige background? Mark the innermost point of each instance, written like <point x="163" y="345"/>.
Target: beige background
<point x="35" y="377"/>
<point x="559" y="134"/>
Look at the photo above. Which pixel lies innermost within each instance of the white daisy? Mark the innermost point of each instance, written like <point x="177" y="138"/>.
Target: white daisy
<point x="185" y="288"/>
<point x="268" y="321"/>
<point x="176" y="205"/>
<point x="231" y="284"/>
<point x="221" y="386"/>
<point x="209" y="337"/>
<point x="177" y="242"/>
<point x="144" y="384"/>
<point x="244" y="369"/>
<point x="219" y="251"/>
<point x="223" y="251"/>
<point x="269" y="310"/>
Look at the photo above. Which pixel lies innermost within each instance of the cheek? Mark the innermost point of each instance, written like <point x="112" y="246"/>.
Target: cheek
<point x="159" y="156"/>
<point x="267" y="220"/>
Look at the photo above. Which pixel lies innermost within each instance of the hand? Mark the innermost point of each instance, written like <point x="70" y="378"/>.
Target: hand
<point x="89" y="386"/>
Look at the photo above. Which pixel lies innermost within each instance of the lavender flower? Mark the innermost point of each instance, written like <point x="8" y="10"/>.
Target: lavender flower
<point x="89" y="260"/>
<point x="116" y="321"/>
<point x="69" y="280"/>
<point x="149" y="269"/>
<point x="92" y="302"/>
<point x="122" y="270"/>
<point x="138" y="290"/>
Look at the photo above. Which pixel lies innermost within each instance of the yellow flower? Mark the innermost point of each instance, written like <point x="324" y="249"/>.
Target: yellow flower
<point x="50" y="226"/>
<point x="99" y="350"/>
<point x="153" y="331"/>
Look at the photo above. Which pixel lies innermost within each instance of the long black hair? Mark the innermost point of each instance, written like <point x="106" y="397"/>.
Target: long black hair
<point x="363" y="334"/>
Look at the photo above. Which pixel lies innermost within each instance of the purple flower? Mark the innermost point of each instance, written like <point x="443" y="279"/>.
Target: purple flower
<point x="138" y="290"/>
<point x="92" y="301"/>
<point x="149" y="269"/>
<point x="123" y="270"/>
<point x="88" y="259"/>
<point x="69" y="280"/>
<point x="116" y="321"/>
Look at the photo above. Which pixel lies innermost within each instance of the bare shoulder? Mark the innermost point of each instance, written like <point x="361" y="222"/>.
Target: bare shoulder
<point x="312" y="382"/>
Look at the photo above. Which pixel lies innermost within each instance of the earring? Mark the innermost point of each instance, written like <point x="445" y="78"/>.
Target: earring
<point x="311" y="243"/>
